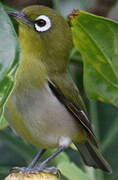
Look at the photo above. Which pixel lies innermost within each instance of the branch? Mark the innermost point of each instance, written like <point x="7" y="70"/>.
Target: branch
<point x="31" y="176"/>
<point x="22" y="3"/>
<point x="102" y="7"/>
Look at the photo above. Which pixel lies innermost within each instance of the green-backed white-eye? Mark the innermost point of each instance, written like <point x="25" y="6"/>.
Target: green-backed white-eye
<point x="45" y="107"/>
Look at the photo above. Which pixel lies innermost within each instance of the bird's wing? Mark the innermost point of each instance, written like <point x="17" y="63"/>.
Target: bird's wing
<point x="74" y="110"/>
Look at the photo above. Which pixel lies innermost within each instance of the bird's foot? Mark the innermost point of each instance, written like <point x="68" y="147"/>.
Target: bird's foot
<point x="52" y="170"/>
<point x="22" y="169"/>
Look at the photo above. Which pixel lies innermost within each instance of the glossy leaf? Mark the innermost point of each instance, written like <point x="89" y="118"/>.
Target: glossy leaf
<point x="96" y="38"/>
<point x="3" y="122"/>
<point x="69" y="169"/>
<point x="104" y="118"/>
<point x="8" y="53"/>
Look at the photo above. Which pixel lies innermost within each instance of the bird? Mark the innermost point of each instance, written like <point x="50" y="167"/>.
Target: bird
<point x="45" y="107"/>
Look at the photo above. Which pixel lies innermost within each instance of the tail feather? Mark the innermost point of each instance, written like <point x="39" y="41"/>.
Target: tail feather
<point x="92" y="157"/>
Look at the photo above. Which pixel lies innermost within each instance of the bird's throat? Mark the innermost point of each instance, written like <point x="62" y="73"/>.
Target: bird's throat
<point x="31" y="72"/>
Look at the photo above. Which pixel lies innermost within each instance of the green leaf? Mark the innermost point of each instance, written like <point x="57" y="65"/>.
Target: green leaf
<point x="104" y="118"/>
<point x="96" y="38"/>
<point x="3" y="123"/>
<point x="8" y="54"/>
<point x="69" y="169"/>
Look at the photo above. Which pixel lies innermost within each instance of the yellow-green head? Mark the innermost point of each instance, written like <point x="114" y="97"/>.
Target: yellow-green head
<point x="45" y="36"/>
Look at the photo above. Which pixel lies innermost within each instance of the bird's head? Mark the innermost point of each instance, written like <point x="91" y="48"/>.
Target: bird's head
<point x="45" y="34"/>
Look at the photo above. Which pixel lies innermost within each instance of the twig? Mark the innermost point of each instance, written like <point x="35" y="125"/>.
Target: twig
<point x="22" y="3"/>
<point x="102" y="7"/>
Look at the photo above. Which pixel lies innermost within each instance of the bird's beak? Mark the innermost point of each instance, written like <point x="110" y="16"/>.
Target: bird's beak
<point x="20" y="17"/>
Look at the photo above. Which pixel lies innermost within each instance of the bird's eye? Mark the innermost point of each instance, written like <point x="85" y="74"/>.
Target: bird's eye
<point x="42" y="23"/>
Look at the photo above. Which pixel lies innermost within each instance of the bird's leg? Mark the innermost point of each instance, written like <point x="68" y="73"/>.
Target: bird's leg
<point x="37" y="158"/>
<point x="42" y="165"/>
<point x="31" y="165"/>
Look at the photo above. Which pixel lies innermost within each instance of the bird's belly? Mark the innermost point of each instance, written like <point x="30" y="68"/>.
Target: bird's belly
<point x="40" y="118"/>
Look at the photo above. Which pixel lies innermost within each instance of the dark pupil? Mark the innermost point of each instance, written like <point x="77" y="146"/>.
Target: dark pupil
<point x="41" y="22"/>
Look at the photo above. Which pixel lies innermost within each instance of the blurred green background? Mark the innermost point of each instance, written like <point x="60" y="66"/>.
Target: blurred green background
<point x="16" y="152"/>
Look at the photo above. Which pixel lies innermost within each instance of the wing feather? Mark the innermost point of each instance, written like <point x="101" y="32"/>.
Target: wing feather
<point x="74" y="110"/>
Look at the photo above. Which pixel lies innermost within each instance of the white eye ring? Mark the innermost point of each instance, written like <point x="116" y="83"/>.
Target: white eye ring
<point x="43" y="27"/>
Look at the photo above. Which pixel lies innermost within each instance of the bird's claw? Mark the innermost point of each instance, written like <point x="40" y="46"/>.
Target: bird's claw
<point x="52" y="170"/>
<point x="21" y="169"/>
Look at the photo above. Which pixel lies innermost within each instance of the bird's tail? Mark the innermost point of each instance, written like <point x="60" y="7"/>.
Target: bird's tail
<point x="92" y="157"/>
